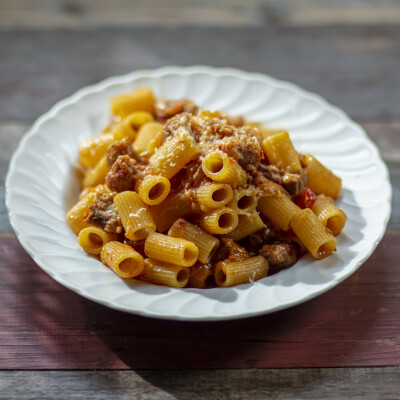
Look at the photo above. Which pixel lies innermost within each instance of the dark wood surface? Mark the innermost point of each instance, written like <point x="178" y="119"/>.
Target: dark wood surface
<point x="254" y="384"/>
<point x="45" y="329"/>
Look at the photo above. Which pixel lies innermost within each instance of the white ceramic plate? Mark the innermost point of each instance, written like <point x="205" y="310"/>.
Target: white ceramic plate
<point x="40" y="187"/>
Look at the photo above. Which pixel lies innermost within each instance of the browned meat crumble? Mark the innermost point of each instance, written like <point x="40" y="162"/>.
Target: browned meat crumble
<point x="123" y="174"/>
<point x="104" y="213"/>
<point x="280" y="255"/>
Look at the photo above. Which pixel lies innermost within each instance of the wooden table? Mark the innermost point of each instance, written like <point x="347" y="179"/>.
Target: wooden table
<point x="344" y="344"/>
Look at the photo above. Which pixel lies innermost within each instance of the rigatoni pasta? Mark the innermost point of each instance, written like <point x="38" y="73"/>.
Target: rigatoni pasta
<point x="331" y="217"/>
<point x="172" y="250"/>
<point x="207" y="244"/>
<point x="312" y="233"/>
<point x="161" y="273"/>
<point x="231" y="273"/>
<point x="174" y="195"/>
<point x="213" y="195"/>
<point x="153" y="189"/>
<point x="122" y="259"/>
<point x="92" y="239"/>
<point x="134" y="215"/>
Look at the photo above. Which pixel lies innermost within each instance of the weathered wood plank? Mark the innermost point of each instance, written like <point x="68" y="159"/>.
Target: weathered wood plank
<point x="45" y="326"/>
<point x="285" y="384"/>
<point x="354" y="67"/>
<point x="78" y="13"/>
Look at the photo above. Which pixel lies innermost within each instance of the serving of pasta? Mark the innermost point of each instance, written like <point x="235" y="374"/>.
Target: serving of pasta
<point x="179" y="196"/>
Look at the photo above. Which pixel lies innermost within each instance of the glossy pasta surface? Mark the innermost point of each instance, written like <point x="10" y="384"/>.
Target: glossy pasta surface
<point x="179" y="196"/>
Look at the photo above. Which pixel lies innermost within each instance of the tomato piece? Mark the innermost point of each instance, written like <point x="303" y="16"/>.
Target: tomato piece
<point x="306" y="199"/>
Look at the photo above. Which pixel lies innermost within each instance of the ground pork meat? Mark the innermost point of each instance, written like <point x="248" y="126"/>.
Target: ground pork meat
<point x="175" y="123"/>
<point x="235" y="251"/>
<point x="104" y="213"/>
<point x="271" y="172"/>
<point x="280" y="255"/>
<point x="123" y="174"/>
<point x="244" y="149"/>
<point x="166" y="109"/>
<point x="121" y="148"/>
<point x="267" y="188"/>
<point x="292" y="183"/>
<point x="138" y="245"/>
<point x="255" y="241"/>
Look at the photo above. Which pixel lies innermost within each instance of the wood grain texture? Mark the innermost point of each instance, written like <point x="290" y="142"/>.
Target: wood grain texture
<point x="354" y="67"/>
<point x="45" y="326"/>
<point x="76" y="13"/>
<point x="282" y="384"/>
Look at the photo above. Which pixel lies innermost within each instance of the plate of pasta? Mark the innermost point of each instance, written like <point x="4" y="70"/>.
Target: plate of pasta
<point x="197" y="193"/>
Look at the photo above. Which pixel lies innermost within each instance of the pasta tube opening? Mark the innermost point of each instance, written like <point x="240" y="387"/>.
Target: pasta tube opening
<point x="327" y="248"/>
<point x="182" y="276"/>
<point x="214" y="164"/>
<point x="247" y="203"/>
<point x="92" y="239"/>
<point x="221" y="195"/>
<point x="213" y="195"/>
<point x="220" y="276"/>
<point x="221" y="221"/>
<point x="226" y="220"/>
<point x="154" y="189"/>
<point x="157" y="190"/>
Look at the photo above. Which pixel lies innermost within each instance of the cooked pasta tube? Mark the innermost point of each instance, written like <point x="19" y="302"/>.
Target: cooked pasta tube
<point x="220" y="221"/>
<point x="129" y="126"/>
<point x="173" y="207"/>
<point x="122" y="259"/>
<point x="92" y="150"/>
<point x="321" y="179"/>
<point x="97" y="174"/>
<point x="280" y="151"/>
<point x="330" y="216"/>
<point x="139" y="100"/>
<point x="247" y="225"/>
<point x="280" y="210"/>
<point x="171" y="250"/>
<point x="161" y="273"/>
<point x="134" y="215"/>
<point x="93" y="238"/>
<point x="310" y="230"/>
<point x="148" y="138"/>
<point x="219" y="167"/>
<point x="265" y="133"/>
<point x="78" y="214"/>
<point x="201" y="276"/>
<point x="244" y="201"/>
<point x="153" y="189"/>
<point x="205" y="242"/>
<point x="231" y="273"/>
<point x="174" y="154"/>
<point x="213" y="195"/>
